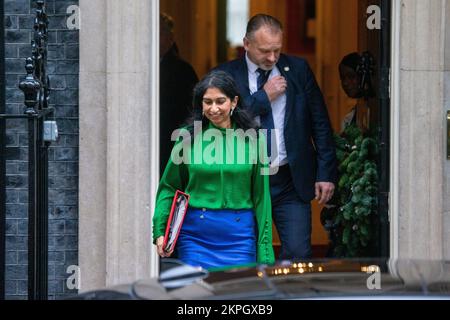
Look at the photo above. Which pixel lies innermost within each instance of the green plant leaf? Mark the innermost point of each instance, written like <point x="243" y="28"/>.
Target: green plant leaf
<point x="363" y="229"/>
<point x="366" y="201"/>
<point x="356" y="198"/>
<point x="343" y="181"/>
<point x="356" y="193"/>
<point x="353" y="156"/>
<point x="346" y="235"/>
<point x="347" y="214"/>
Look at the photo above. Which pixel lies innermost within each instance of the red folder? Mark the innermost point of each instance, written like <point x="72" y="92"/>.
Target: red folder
<point x="175" y="221"/>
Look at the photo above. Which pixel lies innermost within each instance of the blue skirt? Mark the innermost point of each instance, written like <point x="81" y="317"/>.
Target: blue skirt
<point x="217" y="238"/>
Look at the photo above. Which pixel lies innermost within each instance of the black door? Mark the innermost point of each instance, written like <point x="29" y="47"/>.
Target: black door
<point x="374" y="37"/>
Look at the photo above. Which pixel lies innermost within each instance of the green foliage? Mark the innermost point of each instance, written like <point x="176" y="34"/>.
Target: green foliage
<point x="356" y="194"/>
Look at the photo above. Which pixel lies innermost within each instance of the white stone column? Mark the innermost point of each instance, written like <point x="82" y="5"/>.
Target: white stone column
<point x="118" y="140"/>
<point x="419" y="227"/>
<point x="128" y="147"/>
<point x="93" y="151"/>
<point x="447" y="108"/>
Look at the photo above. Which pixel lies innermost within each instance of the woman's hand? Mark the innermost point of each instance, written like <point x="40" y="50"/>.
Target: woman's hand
<point x="159" y="245"/>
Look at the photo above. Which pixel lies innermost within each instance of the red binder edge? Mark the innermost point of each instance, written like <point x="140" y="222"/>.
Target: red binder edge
<point x="172" y="209"/>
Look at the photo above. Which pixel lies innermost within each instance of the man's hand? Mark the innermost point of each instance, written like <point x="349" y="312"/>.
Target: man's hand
<point x="159" y="245"/>
<point x="324" y="191"/>
<point x="275" y="87"/>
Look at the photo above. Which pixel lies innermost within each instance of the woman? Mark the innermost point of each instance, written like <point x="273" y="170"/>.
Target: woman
<point x="350" y="82"/>
<point x="355" y="71"/>
<point x="229" y="220"/>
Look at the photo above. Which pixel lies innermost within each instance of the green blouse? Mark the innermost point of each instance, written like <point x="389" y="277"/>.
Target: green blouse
<point x="219" y="172"/>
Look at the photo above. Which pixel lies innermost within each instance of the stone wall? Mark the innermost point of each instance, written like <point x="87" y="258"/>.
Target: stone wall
<point x="63" y="70"/>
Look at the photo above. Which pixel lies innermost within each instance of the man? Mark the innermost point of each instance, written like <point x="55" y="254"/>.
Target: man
<point x="281" y="90"/>
<point x="177" y="80"/>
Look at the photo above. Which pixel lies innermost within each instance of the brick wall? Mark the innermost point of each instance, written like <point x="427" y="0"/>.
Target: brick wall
<point x="63" y="69"/>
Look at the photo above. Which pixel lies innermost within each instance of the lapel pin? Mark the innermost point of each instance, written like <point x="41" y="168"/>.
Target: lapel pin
<point x="286" y="69"/>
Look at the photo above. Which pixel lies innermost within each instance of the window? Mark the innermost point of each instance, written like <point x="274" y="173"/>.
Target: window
<point x="237" y="16"/>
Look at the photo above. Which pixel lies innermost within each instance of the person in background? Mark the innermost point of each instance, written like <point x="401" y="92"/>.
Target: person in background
<point x="177" y="80"/>
<point x="281" y="91"/>
<point x="350" y="83"/>
<point x="229" y="218"/>
<point x="350" y="74"/>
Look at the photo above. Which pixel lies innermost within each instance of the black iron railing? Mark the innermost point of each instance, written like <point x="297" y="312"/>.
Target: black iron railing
<point x="2" y="159"/>
<point x="36" y="89"/>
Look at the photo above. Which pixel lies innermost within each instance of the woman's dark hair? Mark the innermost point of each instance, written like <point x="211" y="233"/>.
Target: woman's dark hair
<point x="363" y="65"/>
<point x="351" y="60"/>
<point x="225" y="83"/>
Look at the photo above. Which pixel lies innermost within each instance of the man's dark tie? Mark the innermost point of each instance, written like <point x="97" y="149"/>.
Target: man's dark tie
<point x="263" y="77"/>
<point x="266" y="119"/>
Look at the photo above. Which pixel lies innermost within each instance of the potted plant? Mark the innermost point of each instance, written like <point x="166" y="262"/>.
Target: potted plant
<point x="356" y="198"/>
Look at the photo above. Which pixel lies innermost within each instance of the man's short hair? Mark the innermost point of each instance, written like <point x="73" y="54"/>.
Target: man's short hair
<point x="262" y="20"/>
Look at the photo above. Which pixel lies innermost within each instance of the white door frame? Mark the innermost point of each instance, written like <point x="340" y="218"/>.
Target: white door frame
<point x="394" y="129"/>
<point x="154" y="123"/>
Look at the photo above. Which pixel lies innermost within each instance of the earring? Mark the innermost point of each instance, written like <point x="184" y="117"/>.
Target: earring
<point x="231" y="113"/>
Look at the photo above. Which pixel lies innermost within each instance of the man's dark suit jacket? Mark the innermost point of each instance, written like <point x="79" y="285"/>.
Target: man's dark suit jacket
<point x="307" y="130"/>
<point x="177" y="81"/>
